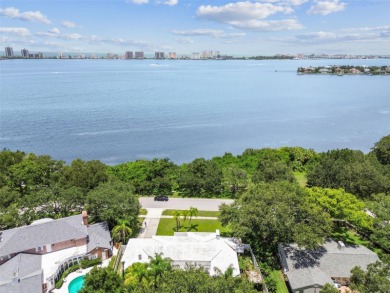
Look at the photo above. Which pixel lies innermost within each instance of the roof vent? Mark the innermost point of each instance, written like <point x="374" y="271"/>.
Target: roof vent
<point x="340" y="245"/>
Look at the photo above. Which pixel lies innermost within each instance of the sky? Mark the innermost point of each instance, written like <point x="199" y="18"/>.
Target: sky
<point x="247" y="28"/>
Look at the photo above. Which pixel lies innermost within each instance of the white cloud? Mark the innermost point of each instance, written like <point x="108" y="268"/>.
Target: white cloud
<point x="185" y="41"/>
<point x="218" y="34"/>
<point x="350" y="35"/>
<point x="250" y="16"/>
<point x="54" y="30"/>
<point x="139" y="1"/>
<point x="296" y="2"/>
<point x="12" y="12"/>
<point x="170" y="2"/>
<point x="270" y="25"/>
<point x="198" y="32"/>
<point x="327" y="7"/>
<point x="69" y="24"/>
<point x="239" y="11"/>
<point x="20" y="31"/>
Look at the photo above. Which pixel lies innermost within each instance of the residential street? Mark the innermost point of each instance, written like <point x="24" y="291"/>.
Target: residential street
<point x="202" y="204"/>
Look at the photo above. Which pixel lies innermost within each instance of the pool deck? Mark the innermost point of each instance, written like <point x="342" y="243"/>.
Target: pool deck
<point x="74" y="275"/>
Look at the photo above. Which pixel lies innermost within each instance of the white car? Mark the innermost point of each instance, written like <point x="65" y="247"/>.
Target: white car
<point x="337" y="285"/>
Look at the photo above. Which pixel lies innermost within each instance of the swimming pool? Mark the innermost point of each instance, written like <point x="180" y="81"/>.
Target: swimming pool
<point x="76" y="284"/>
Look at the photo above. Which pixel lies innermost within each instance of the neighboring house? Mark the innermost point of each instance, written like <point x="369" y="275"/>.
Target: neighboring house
<point x="310" y="270"/>
<point x="207" y="250"/>
<point x="52" y="246"/>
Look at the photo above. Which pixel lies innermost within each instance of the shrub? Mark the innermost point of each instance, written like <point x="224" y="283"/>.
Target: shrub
<point x="86" y="263"/>
<point x="65" y="274"/>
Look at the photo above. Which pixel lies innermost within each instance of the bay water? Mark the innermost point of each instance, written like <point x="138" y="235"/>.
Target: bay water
<point x="123" y="110"/>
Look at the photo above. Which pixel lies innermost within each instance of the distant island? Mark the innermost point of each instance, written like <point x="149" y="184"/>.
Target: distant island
<point x="345" y="69"/>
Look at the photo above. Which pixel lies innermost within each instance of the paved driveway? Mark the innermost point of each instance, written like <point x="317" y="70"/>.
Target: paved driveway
<point x="202" y="204"/>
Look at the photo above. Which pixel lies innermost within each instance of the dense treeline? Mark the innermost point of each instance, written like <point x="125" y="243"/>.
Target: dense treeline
<point x="33" y="187"/>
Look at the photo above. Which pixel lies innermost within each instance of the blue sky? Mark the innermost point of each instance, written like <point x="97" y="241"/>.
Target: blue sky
<point x="262" y="27"/>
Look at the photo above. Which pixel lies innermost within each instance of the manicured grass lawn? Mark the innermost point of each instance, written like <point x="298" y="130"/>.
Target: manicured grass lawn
<point x="143" y="212"/>
<point x="301" y="178"/>
<point x="280" y="283"/>
<point x="167" y="227"/>
<point x="200" y="213"/>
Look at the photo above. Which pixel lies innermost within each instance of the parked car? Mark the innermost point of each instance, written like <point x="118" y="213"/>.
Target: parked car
<point x="161" y="198"/>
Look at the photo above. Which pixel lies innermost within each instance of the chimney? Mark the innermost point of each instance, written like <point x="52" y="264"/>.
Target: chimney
<point x="84" y="215"/>
<point x="340" y="245"/>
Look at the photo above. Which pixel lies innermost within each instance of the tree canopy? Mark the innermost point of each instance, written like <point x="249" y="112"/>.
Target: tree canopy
<point x="272" y="213"/>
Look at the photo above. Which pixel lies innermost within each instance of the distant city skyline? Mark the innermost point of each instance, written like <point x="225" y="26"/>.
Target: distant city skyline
<point x="247" y="28"/>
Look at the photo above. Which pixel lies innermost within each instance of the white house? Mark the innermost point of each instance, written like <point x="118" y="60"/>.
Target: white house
<point x="207" y="250"/>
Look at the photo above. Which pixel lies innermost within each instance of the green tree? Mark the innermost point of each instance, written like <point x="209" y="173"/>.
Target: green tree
<point x="157" y="266"/>
<point x="200" y="178"/>
<point x="102" y="280"/>
<point x="271" y="169"/>
<point x="147" y="177"/>
<point x="341" y="205"/>
<point x="136" y="274"/>
<point x="192" y="213"/>
<point x="235" y="180"/>
<point x="86" y="175"/>
<point x="268" y="214"/>
<point x="329" y="288"/>
<point x="375" y="279"/>
<point x="382" y="150"/>
<point x="122" y="232"/>
<point x="111" y="202"/>
<point x="351" y="170"/>
<point x="176" y="217"/>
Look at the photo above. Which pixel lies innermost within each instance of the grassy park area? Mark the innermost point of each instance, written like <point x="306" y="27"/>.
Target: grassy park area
<point x="167" y="227"/>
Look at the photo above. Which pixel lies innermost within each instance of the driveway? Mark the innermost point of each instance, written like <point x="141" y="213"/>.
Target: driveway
<point x="202" y="204"/>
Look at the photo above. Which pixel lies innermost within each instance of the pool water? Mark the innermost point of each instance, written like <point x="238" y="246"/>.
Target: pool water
<point x="76" y="284"/>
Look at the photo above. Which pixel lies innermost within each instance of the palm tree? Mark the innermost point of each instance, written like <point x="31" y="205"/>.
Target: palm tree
<point x="176" y="216"/>
<point x="157" y="266"/>
<point x="192" y="212"/>
<point x="185" y="214"/>
<point x="121" y="232"/>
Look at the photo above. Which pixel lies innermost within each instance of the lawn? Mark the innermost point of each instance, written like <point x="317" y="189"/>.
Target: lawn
<point x="350" y="237"/>
<point x="200" y="213"/>
<point x="167" y="227"/>
<point x="280" y="283"/>
<point x="301" y="178"/>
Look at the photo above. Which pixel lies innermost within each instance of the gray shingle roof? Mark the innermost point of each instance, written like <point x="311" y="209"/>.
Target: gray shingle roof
<point x="33" y="236"/>
<point x="27" y="267"/>
<point x="99" y="236"/>
<point x="305" y="267"/>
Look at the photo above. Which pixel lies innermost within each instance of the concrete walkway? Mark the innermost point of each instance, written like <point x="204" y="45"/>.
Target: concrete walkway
<point x="150" y="223"/>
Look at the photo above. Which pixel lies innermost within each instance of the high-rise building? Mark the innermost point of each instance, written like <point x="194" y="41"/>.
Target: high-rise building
<point x="25" y="53"/>
<point x="195" y="56"/>
<point x="159" y="55"/>
<point x="129" y="55"/>
<point x="172" y="55"/>
<point x="9" y="52"/>
<point x="139" y="55"/>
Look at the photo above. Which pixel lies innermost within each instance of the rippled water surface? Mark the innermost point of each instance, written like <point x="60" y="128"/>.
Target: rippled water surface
<point x="122" y="110"/>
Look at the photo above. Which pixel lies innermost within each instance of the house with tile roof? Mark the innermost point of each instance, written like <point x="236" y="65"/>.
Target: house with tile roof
<point x="48" y="247"/>
<point x="207" y="250"/>
<point x="309" y="270"/>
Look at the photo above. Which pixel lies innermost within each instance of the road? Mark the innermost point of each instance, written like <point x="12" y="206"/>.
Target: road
<point x="202" y="204"/>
